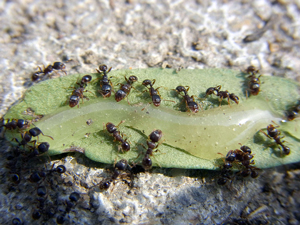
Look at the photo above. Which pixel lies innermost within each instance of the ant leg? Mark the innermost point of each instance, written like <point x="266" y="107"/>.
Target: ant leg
<point x="220" y="100"/>
<point x="64" y="72"/>
<point x="136" y="89"/>
<point x="156" y="160"/>
<point x="228" y="101"/>
<point x="265" y="134"/>
<point x="146" y="106"/>
<point x="275" y="123"/>
<point x="46" y="136"/>
<point x="246" y="94"/>
<point x="40" y="69"/>
<point x="122" y="121"/>
<point x="127" y="100"/>
<point x="108" y="70"/>
<point x="89" y="92"/>
<point x="120" y="149"/>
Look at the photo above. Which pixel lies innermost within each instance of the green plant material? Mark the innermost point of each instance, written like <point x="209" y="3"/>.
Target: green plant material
<point x="189" y="140"/>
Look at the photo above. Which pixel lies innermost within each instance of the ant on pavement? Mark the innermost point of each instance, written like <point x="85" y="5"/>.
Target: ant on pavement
<point x="121" y="168"/>
<point x="42" y="73"/>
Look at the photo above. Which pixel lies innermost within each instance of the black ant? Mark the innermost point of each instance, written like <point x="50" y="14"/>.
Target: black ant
<point x="152" y="141"/>
<point x="119" y="168"/>
<point x="222" y="94"/>
<point x="154" y="93"/>
<point x="274" y="134"/>
<point x="125" y="88"/>
<point x="59" y="169"/>
<point x="77" y="93"/>
<point x="112" y="129"/>
<point x="254" y="82"/>
<point x="37" y="76"/>
<point x="85" y="80"/>
<point x="294" y="112"/>
<point x="41" y="148"/>
<point x="105" y="83"/>
<point x="26" y="136"/>
<point x="191" y="105"/>
<point x="35" y="132"/>
<point x="74" y="198"/>
<point x="12" y="124"/>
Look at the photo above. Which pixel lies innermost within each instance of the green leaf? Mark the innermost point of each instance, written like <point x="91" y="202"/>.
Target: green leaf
<point x="189" y="140"/>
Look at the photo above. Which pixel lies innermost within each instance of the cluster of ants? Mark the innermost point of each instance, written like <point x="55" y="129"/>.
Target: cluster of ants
<point x="123" y="92"/>
<point x="106" y="87"/>
<point x="152" y="143"/>
<point x="241" y="157"/>
<point x="16" y="158"/>
<point x="18" y="162"/>
<point x="38" y="148"/>
<point x="122" y="168"/>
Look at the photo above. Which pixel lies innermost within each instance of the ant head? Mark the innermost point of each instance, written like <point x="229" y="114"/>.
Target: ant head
<point x="155" y="136"/>
<point x="104" y="185"/>
<point x="180" y="89"/>
<point x="110" y="127"/>
<point x="121" y="165"/>
<point x="147" y="82"/>
<point x="147" y="163"/>
<point x="133" y="78"/>
<point x="59" y="66"/>
<point x="125" y="146"/>
<point x="103" y="67"/>
<point x="86" y="79"/>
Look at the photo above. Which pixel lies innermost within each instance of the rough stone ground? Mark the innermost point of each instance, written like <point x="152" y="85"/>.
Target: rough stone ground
<point x="142" y="34"/>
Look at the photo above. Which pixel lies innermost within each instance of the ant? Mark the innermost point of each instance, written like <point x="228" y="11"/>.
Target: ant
<point x="222" y="94"/>
<point x="190" y="101"/>
<point x="12" y="124"/>
<point x="74" y="197"/>
<point x="254" y="82"/>
<point x="293" y="113"/>
<point x="105" y="83"/>
<point x="48" y="70"/>
<point x="40" y="149"/>
<point x="112" y="129"/>
<point x="125" y="88"/>
<point x="77" y="93"/>
<point x="242" y="156"/>
<point x="26" y="136"/>
<point x="152" y="141"/>
<point x="120" y="167"/>
<point x="154" y="93"/>
<point x="35" y="132"/>
<point x="274" y="134"/>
